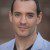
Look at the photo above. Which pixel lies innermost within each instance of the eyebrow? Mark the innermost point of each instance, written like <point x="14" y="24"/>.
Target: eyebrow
<point x="31" y="13"/>
<point x="17" y="12"/>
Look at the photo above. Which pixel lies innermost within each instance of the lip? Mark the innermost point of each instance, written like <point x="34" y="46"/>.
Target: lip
<point x="23" y="27"/>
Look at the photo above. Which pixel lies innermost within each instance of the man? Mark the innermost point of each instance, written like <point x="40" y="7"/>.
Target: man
<point x="25" y="15"/>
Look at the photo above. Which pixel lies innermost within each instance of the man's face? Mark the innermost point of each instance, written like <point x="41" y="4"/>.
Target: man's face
<point x="24" y="18"/>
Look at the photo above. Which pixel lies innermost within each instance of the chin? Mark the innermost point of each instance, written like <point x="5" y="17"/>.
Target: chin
<point x="23" y="34"/>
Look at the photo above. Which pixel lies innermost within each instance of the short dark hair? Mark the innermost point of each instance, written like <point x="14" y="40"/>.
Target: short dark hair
<point x="37" y="3"/>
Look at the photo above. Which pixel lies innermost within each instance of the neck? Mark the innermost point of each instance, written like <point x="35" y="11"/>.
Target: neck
<point x="23" y="43"/>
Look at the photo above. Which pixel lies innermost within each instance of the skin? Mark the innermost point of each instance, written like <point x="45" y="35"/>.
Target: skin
<point x="24" y="21"/>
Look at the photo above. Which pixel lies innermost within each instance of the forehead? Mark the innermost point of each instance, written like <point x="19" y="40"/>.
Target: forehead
<point x="24" y="5"/>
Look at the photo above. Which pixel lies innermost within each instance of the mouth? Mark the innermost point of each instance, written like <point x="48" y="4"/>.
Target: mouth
<point x="23" y="28"/>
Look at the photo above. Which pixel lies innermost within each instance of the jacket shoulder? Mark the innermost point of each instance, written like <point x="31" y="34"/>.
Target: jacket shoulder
<point x="8" y="45"/>
<point x="46" y="45"/>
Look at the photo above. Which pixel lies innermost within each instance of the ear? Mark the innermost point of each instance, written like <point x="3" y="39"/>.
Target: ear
<point x="10" y="16"/>
<point x="39" y="18"/>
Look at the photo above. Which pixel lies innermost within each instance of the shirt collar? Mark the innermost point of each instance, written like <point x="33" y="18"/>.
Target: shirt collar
<point x="38" y="43"/>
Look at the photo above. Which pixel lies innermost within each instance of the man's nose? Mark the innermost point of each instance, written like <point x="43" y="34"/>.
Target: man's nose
<point x="23" y="20"/>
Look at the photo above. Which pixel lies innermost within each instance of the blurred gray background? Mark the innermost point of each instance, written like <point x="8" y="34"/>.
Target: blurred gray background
<point x="6" y="32"/>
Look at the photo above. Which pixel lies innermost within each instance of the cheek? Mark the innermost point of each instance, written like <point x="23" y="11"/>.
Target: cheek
<point x="32" y="22"/>
<point x="15" y="21"/>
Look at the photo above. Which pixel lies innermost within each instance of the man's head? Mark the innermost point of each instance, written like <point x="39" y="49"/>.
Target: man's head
<point x="25" y="15"/>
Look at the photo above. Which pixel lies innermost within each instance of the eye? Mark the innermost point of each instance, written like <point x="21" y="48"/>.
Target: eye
<point x="17" y="14"/>
<point x="30" y="15"/>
